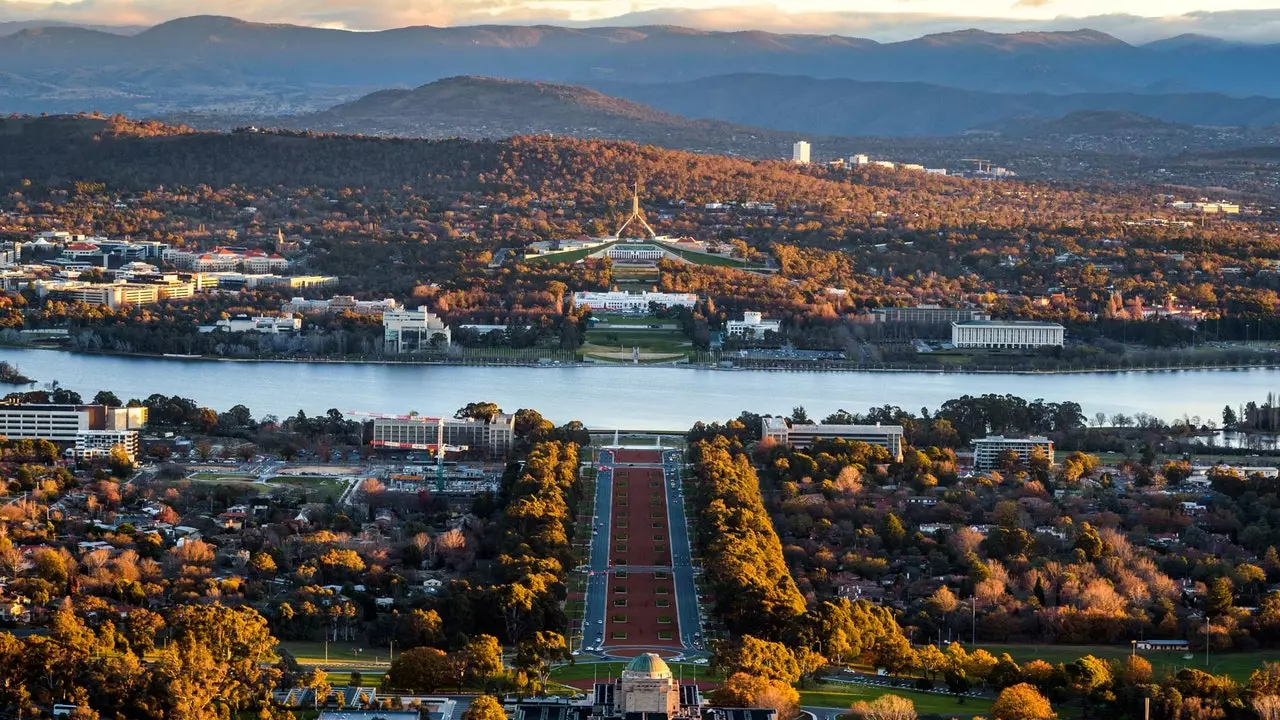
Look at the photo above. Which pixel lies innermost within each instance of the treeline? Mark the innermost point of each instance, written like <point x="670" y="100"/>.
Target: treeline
<point x="214" y="661"/>
<point x="742" y="556"/>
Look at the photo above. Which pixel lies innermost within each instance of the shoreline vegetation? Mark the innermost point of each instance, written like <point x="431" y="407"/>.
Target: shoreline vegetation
<point x="9" y="375"/>
<point x="565" y="359"/>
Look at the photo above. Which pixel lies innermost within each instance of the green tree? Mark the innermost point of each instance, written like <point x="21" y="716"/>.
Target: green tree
<point x="892" y="532"/>
<point x="420" y="669"/>
<point x="535" y="655"/>
<point x="484" y="658"/>
<point x="1219" y="599"/>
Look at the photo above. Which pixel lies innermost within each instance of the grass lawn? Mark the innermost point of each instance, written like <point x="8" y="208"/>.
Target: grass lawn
<point x="1237" y="664"/>
<point x="214" y="476"/>
<point x="698" y="258"/>
<point x="841" y="695"/>
<point x="659" y="341"/>
<point x="572" y="256"/>
<point x="344" y="678"/>
<point x="313" y="653"/>
<point x="325" y="488"/>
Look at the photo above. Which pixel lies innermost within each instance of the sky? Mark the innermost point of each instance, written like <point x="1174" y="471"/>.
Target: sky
<point x="1133" y="20"/>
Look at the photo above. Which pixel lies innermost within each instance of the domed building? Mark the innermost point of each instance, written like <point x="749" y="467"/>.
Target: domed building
<point x="647" y="686"/>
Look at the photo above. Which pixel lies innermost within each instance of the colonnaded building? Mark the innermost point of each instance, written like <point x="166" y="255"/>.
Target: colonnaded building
<point x="1006" y="334"/>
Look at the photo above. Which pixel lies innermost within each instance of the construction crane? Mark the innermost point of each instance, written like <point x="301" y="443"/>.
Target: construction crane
<point x="981" y="165"/>
<point x="438" y="447"/>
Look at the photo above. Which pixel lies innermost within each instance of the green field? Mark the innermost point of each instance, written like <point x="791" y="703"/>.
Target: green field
<point x="313" y="653"/>
<point x="698" y="258"/>
<point x="842" y="695"/>
<point x="653" y="341"/>
<point x="1237" y="664"/>
<point x="214" y="476"/>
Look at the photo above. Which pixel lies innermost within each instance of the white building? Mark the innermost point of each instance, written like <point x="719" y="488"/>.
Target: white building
<point x="859" y="160"/>
<point x="800" y="153"/>
<point x="406" y="331"/>
<point x="64" y="423"/>
<point x="632" y="251"/>
<point x="888" y="437"/>
<point x="260" y="324"/>
<point x="987" y="450"/>
<point x="98" y="443"/>
<point x="340" y="304"/>
<point x="752" y="323"/>
<point x="1006" y="334"/>
<point x="628" y="302"/>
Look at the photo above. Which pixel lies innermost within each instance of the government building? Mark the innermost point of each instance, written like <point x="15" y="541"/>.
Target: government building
<point x="413" y="432"/>
<point x="1006" y="334"/>
<point x="646" y="691"/>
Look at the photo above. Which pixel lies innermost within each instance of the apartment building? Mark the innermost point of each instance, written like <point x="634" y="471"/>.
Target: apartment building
<point x="988" y="450"/>
<point x="411" y="432"/>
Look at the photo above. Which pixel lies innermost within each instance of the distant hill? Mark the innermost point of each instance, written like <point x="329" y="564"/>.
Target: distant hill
<point x="1089" y="122"/>
<point x="851" y="107"/>
<point x="483" y="107"/>
<point x="227" y="64"/>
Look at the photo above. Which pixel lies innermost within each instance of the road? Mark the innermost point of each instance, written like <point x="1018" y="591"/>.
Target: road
<point x="687" y="611"/>
<point x="598" y="562"/>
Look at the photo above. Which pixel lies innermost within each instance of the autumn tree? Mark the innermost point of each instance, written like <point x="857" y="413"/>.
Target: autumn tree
<point x="885" y="707"/>
<point x="1021" y="702"/>
<point x="487" y="707"/>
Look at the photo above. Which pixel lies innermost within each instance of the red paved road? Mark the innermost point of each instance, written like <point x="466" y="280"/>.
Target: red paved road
<point x="640" y="538"/>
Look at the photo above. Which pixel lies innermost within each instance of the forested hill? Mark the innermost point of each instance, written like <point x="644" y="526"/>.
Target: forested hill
<point x="56" y="152"/>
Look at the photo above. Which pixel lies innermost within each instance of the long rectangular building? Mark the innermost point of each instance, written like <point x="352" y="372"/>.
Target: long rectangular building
<point x="987" y="450"/>
<point x="65" y="423"/>
<point x="928" y="315"/>
<point x="409" y="432"/>
<point x="888" y="437"/>
<point x="1006" y="334"/>
<point x="629" y="302"/>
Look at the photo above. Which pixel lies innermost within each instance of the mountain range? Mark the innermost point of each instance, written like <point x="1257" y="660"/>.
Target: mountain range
<point x="222" y="63"/>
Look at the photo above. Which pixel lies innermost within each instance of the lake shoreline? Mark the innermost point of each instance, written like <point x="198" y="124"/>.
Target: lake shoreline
<point x="680" y="365"/>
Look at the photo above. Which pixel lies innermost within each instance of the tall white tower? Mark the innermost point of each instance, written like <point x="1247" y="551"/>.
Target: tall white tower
<point x="800" y="153"/>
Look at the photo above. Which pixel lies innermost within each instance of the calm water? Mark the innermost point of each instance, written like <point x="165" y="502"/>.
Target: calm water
<point x="620" y="396"/>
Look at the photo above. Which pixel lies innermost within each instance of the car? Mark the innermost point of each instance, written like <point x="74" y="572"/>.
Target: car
<point x="599" y="622"/>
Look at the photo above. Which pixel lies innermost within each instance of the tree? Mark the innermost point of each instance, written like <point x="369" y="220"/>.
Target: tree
<point x="417" y="669"/>
<point x="108" y="398"/>
<point x="743" y="690"/>
<point x="317" y="681"/>
<point x="1219" y="600"/>
<point x="204" y="450"/>
<point x="1021" y="702"/>
<point x="262" y="564"/>
<point x="758" y="658"/>
<point x="1229" y="418"/>
<point x="484" y="657"/>
<point x="119" y="461"/>
<point x="892" y="531"/>
<point x="486" y="411"/>
<point x="485" y="707"/>
<point x="885" y="707"/>
<point x="535" y="655"/>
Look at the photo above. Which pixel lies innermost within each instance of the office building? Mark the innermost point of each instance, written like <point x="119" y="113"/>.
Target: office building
<point x="407" y="331"/>
<point x="629" y="302"/>
<point x="859" y="160"/>
<point x="987" y="450"/>
<point x="412" y="432"/>
<point x="339" y="304"/>
<point x="753" y="324"/>
<point x="928" y="315"/>
<point x="63" y="423"/>
<point x="1006" y="334"/>
<point x="260" y="324"/>
<point x="800" y="153"/>
<point x="888" y="437"/>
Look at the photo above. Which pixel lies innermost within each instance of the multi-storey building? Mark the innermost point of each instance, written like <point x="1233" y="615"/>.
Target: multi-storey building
<point x="1006" y="334"/>
<point x="888" y="437"/>
<point x="928" y="315"/>
<point x="629" y="302"/>
<point x="411" y="432"/>
<point x="99" y="443"/>
<point x="752" y="323"/>
<point x="63" y="423"/>
<point x="987" y="450"/>
<point x="406" y="331"/>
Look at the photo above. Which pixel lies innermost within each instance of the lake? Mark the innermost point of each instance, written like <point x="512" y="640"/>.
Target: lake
<point x="630" y="397"/>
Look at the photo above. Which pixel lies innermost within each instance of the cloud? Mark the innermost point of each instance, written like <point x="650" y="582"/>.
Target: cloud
<point x="1243" y="25"/>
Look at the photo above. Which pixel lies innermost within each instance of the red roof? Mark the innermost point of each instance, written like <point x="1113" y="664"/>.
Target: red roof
<point x="82" y="246"/>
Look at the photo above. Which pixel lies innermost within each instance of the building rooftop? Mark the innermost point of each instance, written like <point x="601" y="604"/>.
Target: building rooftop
<point x="1018" y="323"/>
<point x="646" y="666"/>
